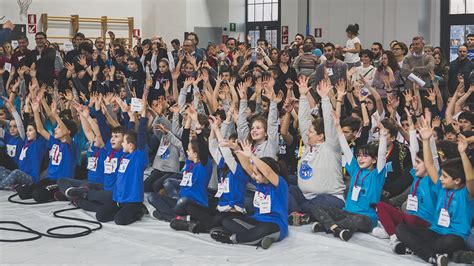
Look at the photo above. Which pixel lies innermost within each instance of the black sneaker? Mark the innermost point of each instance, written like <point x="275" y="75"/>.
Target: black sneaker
<point x="80" y="192"/>
<point x="266" y="242"/>
<point x="59" y="196"/>
<point x="317" y="227"/>
<point x="157" y="215"/>
<point x="220" y="235"/>
<point x="441" y="260"/>
<point x="180" y="225"/>
<point x="463" y="256"/>
<point x="344" y="234"/>
<point x="401" y="249"/>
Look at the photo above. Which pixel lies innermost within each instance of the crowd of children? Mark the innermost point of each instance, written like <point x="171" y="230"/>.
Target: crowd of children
<point x="243" y="142"/>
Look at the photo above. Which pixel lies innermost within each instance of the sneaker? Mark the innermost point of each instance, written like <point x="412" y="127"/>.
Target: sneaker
<point x="440" y="260"/>
<point x="344" y="234"/>
<point x="380" y="232"/>
<point x="59" y="196"/>
<point x="317" y="227"/>
<point x="80" y="192"/>
<point x="297" y="219"/>
<point x="181" y="225"/>
<point x="157" y="215"/>
<point x="266" y="242"/>
<point x="463" y="256"/>
<point x="220" y="235"/>
<point x="398" y="247"/>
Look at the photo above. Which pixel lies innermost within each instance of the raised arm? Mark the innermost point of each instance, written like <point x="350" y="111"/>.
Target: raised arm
<point x="304" y="110"/>
<point x="425" y="133"/>
<point x="346" y="150"/>
<point x="466" y="163"/>
<point x="330" y="133"/>
<point x="382" y="152"/>
<point x="38" y="122"/>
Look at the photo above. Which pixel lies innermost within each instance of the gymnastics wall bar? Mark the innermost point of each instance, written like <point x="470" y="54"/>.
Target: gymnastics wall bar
<point x="75" y="20"/>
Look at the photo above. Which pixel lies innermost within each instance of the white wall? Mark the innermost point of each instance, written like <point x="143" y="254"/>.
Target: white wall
<point x="83" y="8"/>
<point x="379" y="20"/>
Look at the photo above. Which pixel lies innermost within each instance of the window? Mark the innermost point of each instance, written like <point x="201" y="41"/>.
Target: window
<point x="458" y="34"/>
<point x="461" y="7"/>
<point x="262" y="10"/>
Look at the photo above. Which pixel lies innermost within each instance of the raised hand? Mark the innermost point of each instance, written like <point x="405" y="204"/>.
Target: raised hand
<point x="425" y="130"/>
<point x="323" y="88"/>
<point x="303" y="85"/>
<point x="82" y="61"/>
<point x="462" y="143"/>
<point x="242" y="91"/>
<point x="341" y="89"/>
<point x="246" y="148"/>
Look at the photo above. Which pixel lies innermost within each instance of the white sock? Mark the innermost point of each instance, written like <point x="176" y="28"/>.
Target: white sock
<point x="393" y="238"/>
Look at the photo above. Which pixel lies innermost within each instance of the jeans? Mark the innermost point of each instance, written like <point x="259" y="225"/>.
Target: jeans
<point x="298" y="203"/>
<point x="329" y="216"/>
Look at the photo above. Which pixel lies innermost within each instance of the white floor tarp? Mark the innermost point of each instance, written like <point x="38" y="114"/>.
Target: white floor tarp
<point x="151" y="242"/>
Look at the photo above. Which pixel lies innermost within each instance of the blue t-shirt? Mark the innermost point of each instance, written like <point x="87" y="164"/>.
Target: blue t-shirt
<point x="129" y="185"/>
<point x="279" y="204"/>
<point x="371" y="183"/>
<point x="62" y="159"/>
<point x="112" y="157"/>
<point x="32" y="155"/>
<point x="459" y="207"/>
<point x="233" y="195"/>
<point x="426" y="194"/>
<point x="196" y="179"/>
<point x="14" y="145"/>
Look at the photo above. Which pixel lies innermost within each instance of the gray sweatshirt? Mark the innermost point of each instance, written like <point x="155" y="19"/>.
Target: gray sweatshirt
<point x="270" y="147"/>
<point x="320" y="167"/>
<point x="167" y="156"/>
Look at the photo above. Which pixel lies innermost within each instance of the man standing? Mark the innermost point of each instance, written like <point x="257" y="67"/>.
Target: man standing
<point x="333" y="68"/>
<point x="460" y="66"/>
<point x="22" y="57"/>
<point x="295" y="45"/>
<point x="43" y="59"/>
<point x="470" y="46"/>
<point x="418" y="63"/>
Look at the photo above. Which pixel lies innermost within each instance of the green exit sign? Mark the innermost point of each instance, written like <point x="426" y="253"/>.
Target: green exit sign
<point x="232" y="27"/>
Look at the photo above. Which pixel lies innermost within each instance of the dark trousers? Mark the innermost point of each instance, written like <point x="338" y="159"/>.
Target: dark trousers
<point x="120" y="213"/>
<point x="249" y="231"/>
<point x="95" y="200"/>
<point x="154" y="183"/>
<point x="41" y="192"/>
<point x="298" y="203"/>
<point x="329" y="216"/>
<point x="425" y="243"/>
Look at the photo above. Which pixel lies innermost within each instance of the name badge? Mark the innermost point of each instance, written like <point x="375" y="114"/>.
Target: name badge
<point x="23" y="153"/>
<point x="11" y="150"/>
<point x="110" y="166"/>
<point x="123" y="165"/>
<point x="444" y="219"/>
<point x="412" y="203"/>
<point x="329" y="71"/>
<point x="92" y="164"/>
<point x="355" y="193"/>
<point x="187" y="180"/>
<point x="265" y="204"/>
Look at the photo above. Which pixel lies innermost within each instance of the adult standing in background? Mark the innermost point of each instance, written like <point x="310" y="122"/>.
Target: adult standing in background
<point x="22" y="56"/>
<point x="400" y="50"/>
<point x="461" y="66"/>
<point x="43" y="59"/>
<point x="418" y="63"/>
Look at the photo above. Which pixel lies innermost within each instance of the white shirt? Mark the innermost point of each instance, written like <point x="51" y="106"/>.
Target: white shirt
<point x="352" y="57"/>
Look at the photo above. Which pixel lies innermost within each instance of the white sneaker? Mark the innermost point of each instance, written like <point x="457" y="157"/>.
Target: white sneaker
<point x="380" y="232"/>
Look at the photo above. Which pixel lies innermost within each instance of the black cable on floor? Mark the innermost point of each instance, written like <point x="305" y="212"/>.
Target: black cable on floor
<point x="50" y="232"/>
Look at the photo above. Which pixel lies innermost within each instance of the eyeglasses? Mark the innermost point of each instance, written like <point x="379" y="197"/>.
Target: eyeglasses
<point x="396" y="49"/>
